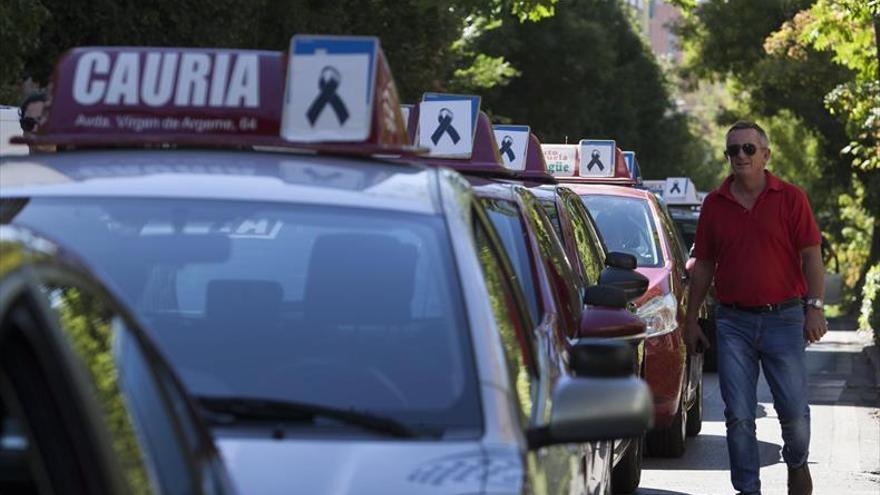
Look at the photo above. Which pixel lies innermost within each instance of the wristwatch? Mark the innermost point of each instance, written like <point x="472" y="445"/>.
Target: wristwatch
<point x="816" y="302"/>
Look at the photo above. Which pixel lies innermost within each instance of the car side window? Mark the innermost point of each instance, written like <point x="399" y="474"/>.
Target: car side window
<point x="562" y="276"/>
<point x="512" y="319"/>
<point x="143" y="428"/>
<point x="508" y="222"/>
<point x="676" y="243"/>
<point x="586" y="240"/>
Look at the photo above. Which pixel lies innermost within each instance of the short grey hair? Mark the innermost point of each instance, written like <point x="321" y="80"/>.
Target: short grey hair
<point x="747" y="124"/>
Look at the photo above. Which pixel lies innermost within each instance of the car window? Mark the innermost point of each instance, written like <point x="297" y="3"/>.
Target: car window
<point x="507" y="220"/>
<point x="140" y="423"/>
<point x="627" y="225"/>
<point x="331" y="306"/>
<point x="562" y="275"/>
<point x="676" y="242"/>
<point x="549" y="206"/>
<point x="592" y="257"/>
<point x="686" y="222"/>
<point x="516" y="330"/>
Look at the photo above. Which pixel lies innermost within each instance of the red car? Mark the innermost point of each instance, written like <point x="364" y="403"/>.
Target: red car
<point x="632" y="221"/>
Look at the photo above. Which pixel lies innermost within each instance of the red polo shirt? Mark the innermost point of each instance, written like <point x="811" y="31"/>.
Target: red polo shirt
<point x="757" y="253"/>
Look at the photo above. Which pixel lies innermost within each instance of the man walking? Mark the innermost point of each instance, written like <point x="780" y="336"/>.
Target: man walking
<point x="757" y="237"/>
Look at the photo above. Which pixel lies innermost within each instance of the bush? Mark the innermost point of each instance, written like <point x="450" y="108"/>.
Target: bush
<point x="869" y="317"/>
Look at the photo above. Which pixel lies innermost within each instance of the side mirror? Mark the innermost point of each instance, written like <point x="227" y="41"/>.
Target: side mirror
<point x="611" y="323"/>
<point x="603" y="359"/>
<point x="595" y="409"/>
<point x="617" y="259"/>
<point x="633" y="283"/>
<point x="607" y="296"/>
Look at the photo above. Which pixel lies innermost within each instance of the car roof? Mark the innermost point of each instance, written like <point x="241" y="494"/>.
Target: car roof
<point x="609" y="190"/>
<point x="223" y="175"/>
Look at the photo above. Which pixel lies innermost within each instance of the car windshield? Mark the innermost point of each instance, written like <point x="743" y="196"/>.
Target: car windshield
<point x="626" y="225"/>
<point x="349" y="308"/>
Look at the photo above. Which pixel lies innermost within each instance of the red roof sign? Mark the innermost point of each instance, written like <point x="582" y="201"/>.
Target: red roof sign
<point x="112" y="96"/>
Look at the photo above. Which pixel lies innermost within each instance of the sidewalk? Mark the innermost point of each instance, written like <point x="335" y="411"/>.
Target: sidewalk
<point x="845" y="444"/>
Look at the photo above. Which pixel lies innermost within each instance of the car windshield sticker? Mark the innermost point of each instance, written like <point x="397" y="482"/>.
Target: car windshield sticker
<point x="597" y="157"/>
<point x="513" y="141"/>
<point x="447" y="124"/>
<point x="329" y="95"/>
<point x="248" y="228"/>
<point x="561" y="159"/>
<point x="675" y="188"/>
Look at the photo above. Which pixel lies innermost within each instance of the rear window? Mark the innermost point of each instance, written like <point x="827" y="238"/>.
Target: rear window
<point x="343" y="307"/>
<point x="627" y="225"/>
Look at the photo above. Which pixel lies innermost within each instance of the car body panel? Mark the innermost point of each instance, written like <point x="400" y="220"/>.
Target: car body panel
<point x="275" y="177"/>
<point x="668" y="370"/>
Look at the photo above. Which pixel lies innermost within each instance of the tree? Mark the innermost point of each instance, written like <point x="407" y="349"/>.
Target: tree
<point x="417" y="35"/>
<point x="585" y="73"/>
<point x="20" y="22"/>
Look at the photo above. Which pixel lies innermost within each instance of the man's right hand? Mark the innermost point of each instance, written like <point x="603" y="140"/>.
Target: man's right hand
<point x="694" y="338"/>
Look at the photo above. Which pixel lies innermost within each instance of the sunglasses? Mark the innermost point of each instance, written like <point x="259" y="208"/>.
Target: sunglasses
<point x="733" y="150"/>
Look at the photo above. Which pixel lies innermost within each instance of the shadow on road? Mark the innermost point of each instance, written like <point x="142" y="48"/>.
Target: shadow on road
<point x="717" y="414"/>
<point x="709" y="453"/>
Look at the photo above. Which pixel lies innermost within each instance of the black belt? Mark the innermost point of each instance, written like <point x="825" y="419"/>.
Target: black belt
<point x="766" y="308"/>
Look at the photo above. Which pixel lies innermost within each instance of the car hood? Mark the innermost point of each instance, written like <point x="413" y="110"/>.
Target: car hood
<point x="268" y="466"/>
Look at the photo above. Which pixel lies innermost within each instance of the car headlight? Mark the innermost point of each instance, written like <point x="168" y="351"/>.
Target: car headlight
<point x="659" y="314"/>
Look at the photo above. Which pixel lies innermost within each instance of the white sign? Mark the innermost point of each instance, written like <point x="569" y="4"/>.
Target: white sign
<point x="598" y="157"/>
<point x="446" y="127"/>
<point x="513" y="145"/>
<point x="561" y="159"/>
<point x="329" y="94"/>
<point x="676" y="188"/>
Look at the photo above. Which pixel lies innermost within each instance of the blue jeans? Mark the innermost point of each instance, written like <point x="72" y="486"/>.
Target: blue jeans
<point x="776" y="340"/>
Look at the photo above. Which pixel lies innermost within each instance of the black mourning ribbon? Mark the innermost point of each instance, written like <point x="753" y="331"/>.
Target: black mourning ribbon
<point x="506" y="143"/>
<point x="445" y="119"/>
<point x="595" y="162"/>
<point x="328" y="84"/>
<point x="675" y="188"/>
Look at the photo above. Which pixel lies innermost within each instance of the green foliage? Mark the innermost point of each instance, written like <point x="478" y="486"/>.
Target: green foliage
<point x="20" y="22"/>
<point x="416" y="34"/>
<point x="485" y="72"/>
<point x="585" y="73"/>
<point x="869" y="317"/>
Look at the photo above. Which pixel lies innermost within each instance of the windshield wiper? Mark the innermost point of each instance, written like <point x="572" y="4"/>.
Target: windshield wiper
<point x="274" y="409"/>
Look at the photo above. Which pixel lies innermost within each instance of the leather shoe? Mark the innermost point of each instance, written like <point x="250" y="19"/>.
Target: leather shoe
<point x="799" y="481"/>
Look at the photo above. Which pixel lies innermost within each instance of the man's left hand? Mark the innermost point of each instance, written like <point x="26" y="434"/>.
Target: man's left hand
<point x="815" y="325"/>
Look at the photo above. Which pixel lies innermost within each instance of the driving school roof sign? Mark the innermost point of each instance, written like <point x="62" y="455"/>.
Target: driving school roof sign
<point x="168" y="91"/>
<point x="329" y="95"/>
<point x="513" y="141"/>
<point x="561" y="159"/>
<point x="447" y="124"/>
<point x="597" y="157"/>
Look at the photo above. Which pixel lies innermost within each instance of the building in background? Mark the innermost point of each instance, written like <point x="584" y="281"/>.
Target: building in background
<point x="655" y="19"/>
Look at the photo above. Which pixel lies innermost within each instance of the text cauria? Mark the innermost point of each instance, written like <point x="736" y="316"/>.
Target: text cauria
<point x="202" y="79"/>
